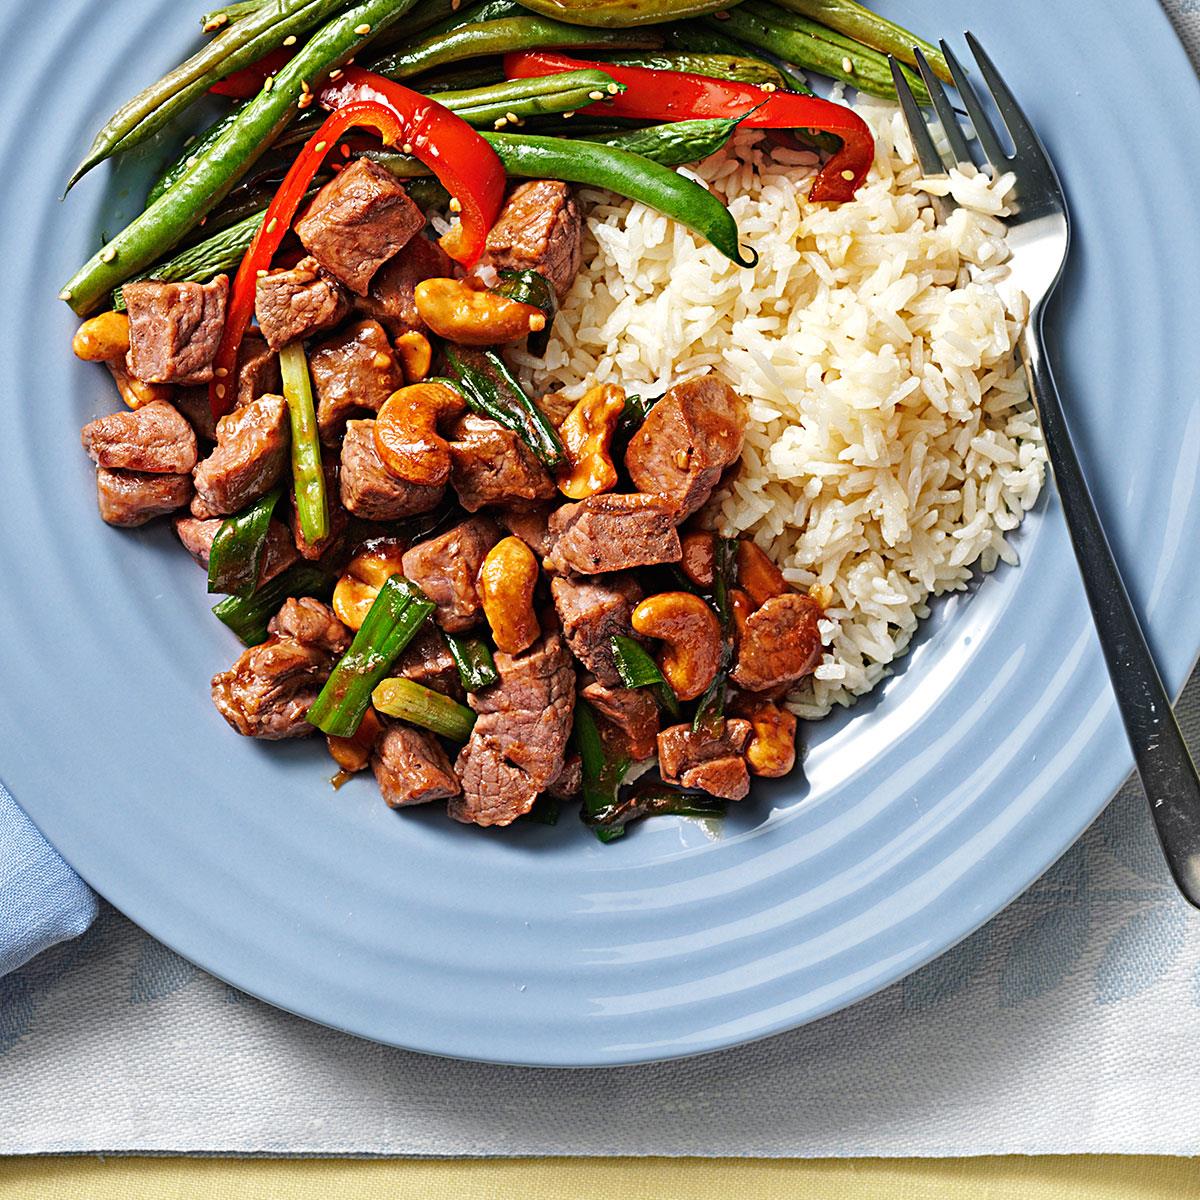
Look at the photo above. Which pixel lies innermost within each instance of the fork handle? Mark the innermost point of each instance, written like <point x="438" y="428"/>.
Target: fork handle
<point x="1168" y="773"/>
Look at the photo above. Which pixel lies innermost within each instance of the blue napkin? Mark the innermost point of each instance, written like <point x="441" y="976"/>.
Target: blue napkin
<point x="42" y="901"/>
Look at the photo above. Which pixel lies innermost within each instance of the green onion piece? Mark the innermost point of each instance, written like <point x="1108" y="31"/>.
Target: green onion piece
<point x="545" y="810"/>
<point x="635" y="412"/>
<point x="531" y="287"/>
<point x="248" y="616"/>
<point x="637" y="670"/>
<point x="312" y="505"/>
<point x="476" y="667"/>
<point x="418" y="705"/>
<point x="491" y="389"/>
<point x="398" y="612"/>
<point x="602" y="774"/>
<point x="235" y="560"/>
<point x="710" y="712"/>
<point x="652" y="799"/>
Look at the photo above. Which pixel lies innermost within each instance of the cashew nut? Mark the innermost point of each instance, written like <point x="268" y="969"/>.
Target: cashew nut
<point x="474" y="318"/>
<point x="354" y="752"/>
<point x="365" y="574"/>
<point x="699" y="557"/>
<point x="133" y="391"/>
<point x="757" y="575"/>
<point x="587" y="433"/>
<point x="772" y="749"/>
<point x="507" y="578"/>
<point x="691" y="637"/>
<point x="406" y="435"/>
<point x="415" y="355"/>
<point x="102" y="338"/>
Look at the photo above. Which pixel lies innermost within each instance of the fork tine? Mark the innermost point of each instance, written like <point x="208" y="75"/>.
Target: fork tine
<point x="984" y="132"/>
<point x="945" y="113"/>
<point x="927" y="153"/>
<point x="1025" y="139"/>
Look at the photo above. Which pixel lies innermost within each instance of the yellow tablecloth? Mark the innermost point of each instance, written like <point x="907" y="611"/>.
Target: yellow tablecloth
<point x="1009" y="1178"/>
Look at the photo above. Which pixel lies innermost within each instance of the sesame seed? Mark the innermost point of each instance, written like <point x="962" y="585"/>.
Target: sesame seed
<point x="454" y="205"/>
<point x="537" y="322"/>
<point x="362" y="30"/>
<point x="260" y="272"/>
<point x="304" y="86"/>
<point x="65" y="294"/>
<point x="290" y="40"/>
<point x="220" y="390"/>
<point x="305" y="100"/>
<point x="322" y="146"/>
<point x="500" y="123"/>
<point x="407" y="148"/>
<point x="597" y="95"/>
<point x="567" y="116"/>
<point x="350" y="61"/>
<point x="268" y="83"/>
<point x="271" y="224"/>
<point x="108" y="253"/>
<point x="513" y="118"/>
<point x="847" y="65"/>
<point x="190" y="161"/>
<point x="216" y="23"/>
<point x="336" y="74"/>
<point x="221" y="372"/>
<point x="847" y="175"/>
<point x="613" y="89"/>
<point x="769" y="87"/>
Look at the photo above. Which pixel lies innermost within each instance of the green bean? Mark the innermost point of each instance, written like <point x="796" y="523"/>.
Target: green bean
<point x="623" y="13"/>
<point x="631" y="175"/>
<point x="476" y="667"/>
<point x="675" y="143"/>
<point x="241" y="44"/>
<point x="501" y="37"/>
<point x="220" y="17"/>
<point x="393" y="620"/>
<point x="407" y="700"/>
<point x="235" y="558"/>
<point x="490" y="71"/>
<point x="169" y="218"/>
<point x="428" y="193"/>
<point x="739" y="67"/>
<point x="248" y="617"/>
<point x="523" y="98"/>
<point x="221" y="252"/>
<point x="703" y="37"/>
<point x="193" y="148"/>
<point x="869" y="28"/>
<point x="821" y="49"/>
<point x="312" y="504"/>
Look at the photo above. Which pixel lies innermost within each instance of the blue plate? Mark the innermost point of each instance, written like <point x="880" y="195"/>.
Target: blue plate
<point x="925" y="810"/>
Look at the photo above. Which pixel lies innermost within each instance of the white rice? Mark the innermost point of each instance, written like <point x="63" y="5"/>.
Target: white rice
<point x="891" y="445"/>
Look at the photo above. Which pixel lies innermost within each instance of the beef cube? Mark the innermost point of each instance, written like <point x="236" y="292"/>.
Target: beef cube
<point x="528" y="714"/>
<point x="174" y="329"/>
<point x="612" y="533"/>
<point x="632" y="711"/>
<point x="445" y="569"/>
<point x="249" y="459"/>
<point x="153" y="438"/>
<point x="530" y="524"/>
<point x="568" y="783"/>
<point x="411" y="767"/>
<point x="352" y="371"/>
<point x="391" y="298"/>
<point x="540" y="229"/>
<point x="426" y="660"/>
<point x="695" y="759"/>
<point x="267" y="693"/>
<point x="297" y="303"/>
<point x="197" y="537"/>
<point x="592" y="611"/>
<point x="131" y="498"/>
<point x="357" y="221"/>
<point x="492" y="465"/>
<point x="257" y="370"/>
<point x="779" y="643"/>
<point x="194" y="404"/>
<point x="688" y="438"/>
<point x="369" y="490"/>
<point x="518" y="746"/>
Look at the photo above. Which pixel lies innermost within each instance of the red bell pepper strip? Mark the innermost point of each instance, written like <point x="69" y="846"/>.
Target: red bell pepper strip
<point x="680" y="95"/>
<point x="458" y="156"/>
<point x="247" y="82"/>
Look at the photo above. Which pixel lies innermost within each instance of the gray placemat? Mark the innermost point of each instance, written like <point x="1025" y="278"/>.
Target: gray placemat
<point x="1069" y="1024"/>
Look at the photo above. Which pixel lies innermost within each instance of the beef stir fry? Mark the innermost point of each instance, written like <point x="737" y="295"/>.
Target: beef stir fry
<point x="489" y="600"/>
